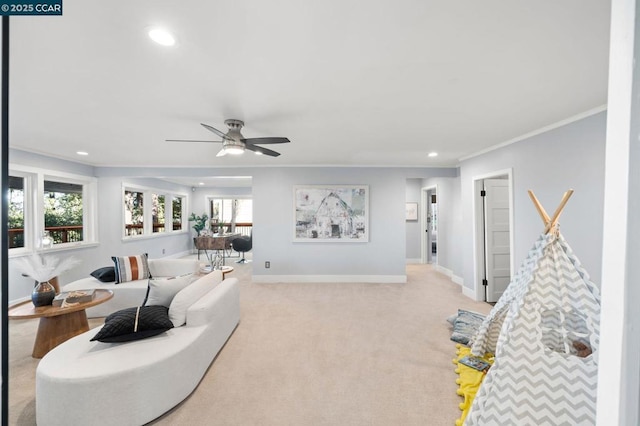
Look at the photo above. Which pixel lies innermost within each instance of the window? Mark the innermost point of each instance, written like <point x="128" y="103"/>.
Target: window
<point x="63" y="211"/>
<point x="177" y="213"/>
<point x="133" y="213"/>
<point x="244" y="211"/>
<point x="146" y="209"/>
<point x="157" y="213"/>
<point x="233" y="212"/>
<point x="227" y="209"/>
<point x="16" y="211"/>
<point x="43" y="201"/>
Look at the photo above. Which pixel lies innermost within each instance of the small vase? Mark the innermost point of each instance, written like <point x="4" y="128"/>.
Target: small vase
<point x="43" y="294"/>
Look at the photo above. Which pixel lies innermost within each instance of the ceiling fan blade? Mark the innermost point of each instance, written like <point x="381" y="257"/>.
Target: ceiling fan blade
<point x="221" y="153"/>
<point x="265" y="140"/>
<point x="261" y="150"/>
<point x="190" y="140"/>
<point x="214" y="130"/>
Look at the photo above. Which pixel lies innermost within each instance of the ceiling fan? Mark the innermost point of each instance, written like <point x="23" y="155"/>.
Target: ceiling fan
<point x="235" y="144"/>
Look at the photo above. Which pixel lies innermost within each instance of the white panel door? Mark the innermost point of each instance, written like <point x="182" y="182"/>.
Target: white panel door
<point x="497" y="249"/>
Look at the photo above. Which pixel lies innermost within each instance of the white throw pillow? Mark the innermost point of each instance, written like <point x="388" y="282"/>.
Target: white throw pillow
<point x="162" y="290"/>
<point x="189" y="295"/>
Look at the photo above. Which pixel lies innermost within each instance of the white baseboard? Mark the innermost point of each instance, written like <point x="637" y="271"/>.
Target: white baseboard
<point x="443" y="270"/>
<point x="458" y="280"/>
<point x="385" y="279"/>
<point x="469" y="292"/>
<point x="449" y="273"/>
<point x="418" y="260"/>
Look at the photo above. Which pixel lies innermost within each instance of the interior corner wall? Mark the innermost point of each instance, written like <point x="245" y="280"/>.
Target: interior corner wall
<point x="413" y="230"/>
<point x="568" y="157"/>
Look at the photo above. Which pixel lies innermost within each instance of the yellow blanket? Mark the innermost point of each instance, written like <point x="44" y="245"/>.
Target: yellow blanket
<point x="469" y="380"/>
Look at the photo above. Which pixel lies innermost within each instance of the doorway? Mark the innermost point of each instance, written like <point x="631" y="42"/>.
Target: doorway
<point x="429" y="220"/>
<point x="493" y="234"/>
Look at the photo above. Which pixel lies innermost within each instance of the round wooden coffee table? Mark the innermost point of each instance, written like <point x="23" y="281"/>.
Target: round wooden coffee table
<point x="57" y="324"/>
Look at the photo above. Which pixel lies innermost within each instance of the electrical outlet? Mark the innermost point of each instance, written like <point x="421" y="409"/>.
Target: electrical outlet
<point x="267" y="264"/>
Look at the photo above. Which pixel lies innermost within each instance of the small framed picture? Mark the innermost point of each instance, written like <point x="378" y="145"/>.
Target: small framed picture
<point x="412" y="211"/>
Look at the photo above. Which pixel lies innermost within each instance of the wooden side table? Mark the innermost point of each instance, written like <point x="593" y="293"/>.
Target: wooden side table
<point x="207" y="270"/>
<point x="226" y="270"/>
<point x="57" y="324"/>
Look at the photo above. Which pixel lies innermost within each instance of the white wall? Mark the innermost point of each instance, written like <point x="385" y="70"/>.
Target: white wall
<point x="449" y="224"/>
<point x="568" y="157"/>
<point x="383" y="257"/>
<point x="413" y="230"/>
<point x="110" y="220"/>
<point x="619" y="365"/>
<point x="272" y="191"/>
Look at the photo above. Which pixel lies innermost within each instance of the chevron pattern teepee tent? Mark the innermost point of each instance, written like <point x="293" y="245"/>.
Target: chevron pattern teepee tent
<point x="544" y="331"/>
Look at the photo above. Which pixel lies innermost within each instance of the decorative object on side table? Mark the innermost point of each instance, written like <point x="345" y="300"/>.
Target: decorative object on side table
<point x="74" y="297"/>
<point x="199" y="222"/>
<point x="43" y="294"/>
<point x="43" y="270"/>
<point x="217" y="261"/>
<point x="46" y="241"/>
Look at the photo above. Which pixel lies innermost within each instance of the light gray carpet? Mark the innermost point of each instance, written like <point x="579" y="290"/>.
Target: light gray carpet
<point x="313" y="354"/>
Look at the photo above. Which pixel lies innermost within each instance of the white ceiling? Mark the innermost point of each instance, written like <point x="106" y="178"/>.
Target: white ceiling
<point x="350" y="82"/>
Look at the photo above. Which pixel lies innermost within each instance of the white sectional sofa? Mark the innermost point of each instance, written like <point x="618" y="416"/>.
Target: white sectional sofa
<point x="132" y="293"/>
<point x="81" y="382"/>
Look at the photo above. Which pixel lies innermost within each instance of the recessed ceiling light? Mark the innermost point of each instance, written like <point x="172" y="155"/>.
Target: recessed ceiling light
<point x="82" y="153"/>
<point x="433" y="154"/>
<point x="162" y="36"/>
<point x="200" y="183"/>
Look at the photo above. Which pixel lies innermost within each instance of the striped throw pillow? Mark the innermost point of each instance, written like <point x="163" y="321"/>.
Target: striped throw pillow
<point x="131" y="268"/>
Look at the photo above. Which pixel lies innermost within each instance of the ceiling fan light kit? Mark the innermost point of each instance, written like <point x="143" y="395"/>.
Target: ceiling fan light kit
<point x="235" y="144"/>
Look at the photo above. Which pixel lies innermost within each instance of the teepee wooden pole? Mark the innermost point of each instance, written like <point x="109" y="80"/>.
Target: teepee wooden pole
<point x="556" y="215"/>
<point x="541" y="211"/>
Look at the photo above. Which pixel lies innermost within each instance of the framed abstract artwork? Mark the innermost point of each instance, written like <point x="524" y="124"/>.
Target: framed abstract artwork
<point x="412" y="211"/>
<point x="331" y="213"/>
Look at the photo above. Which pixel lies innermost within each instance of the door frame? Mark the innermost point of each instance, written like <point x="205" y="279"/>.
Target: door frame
<point x="478" y="229"/>
<point x="423" y="222"/>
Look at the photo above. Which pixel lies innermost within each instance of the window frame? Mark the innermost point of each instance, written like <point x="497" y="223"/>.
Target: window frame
<point x="34" y="207"/>
<point x="28" y="211"/>
<point x="164" y="211"/>
<point x="147" y="213"/>
<point x="184" y="219"/>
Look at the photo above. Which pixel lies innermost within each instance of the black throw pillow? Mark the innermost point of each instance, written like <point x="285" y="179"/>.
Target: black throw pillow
<point x="105" y="275"/>
<point x="120" y="325"/>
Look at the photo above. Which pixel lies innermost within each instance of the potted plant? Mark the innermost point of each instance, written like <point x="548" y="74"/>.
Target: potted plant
<point x="199" y="222"/>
